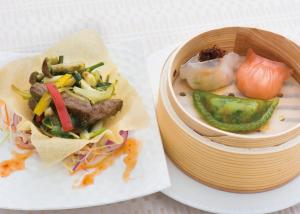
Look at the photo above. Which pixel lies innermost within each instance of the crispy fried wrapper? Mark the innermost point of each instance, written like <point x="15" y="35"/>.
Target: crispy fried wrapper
<point x="85" y="46"/>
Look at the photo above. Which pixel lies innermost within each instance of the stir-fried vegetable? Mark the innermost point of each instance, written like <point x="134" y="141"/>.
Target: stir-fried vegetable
<point x="43" y="104"/>
<point x="84" y="84"/>
<point x="77" y="77"/>
<point x="89" y="135"/>
<point x="65" y="81"/>
<point x="96" y="75"/>
<point x="102" y="86"/>
<point x="107" y="78"/>
<point x="62" y="98"/>
<point x="93" y="67"/>
<point x="89" y="78"/>
<point x="51" y="127"/>
<point x="23" y="93"/>
<point x="85" y="135"/>
<point x="97" y="129"/>
<point x="60" y="59"/>
<point x="61" y="109"/>
<point x="52" y="60"/>
<point x="50" y="121"/>
<point x="98" y="125"/>
<point x="49" y="112"/>
<point x="69" y="92"/>
<point x="92" y="94"/>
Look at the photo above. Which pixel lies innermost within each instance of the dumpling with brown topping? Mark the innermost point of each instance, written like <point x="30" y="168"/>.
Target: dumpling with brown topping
<point x="211" y="74"/>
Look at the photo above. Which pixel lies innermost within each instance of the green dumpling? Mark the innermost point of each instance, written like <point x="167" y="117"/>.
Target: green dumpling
<point x="233" y="114"/>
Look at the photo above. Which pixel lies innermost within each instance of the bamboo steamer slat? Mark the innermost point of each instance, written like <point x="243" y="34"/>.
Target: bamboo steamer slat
<point x="236" y="39"/>
<point x="220" y="161"/>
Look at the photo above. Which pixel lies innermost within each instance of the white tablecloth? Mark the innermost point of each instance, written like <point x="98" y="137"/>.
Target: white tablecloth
<point x="33" y="25"/>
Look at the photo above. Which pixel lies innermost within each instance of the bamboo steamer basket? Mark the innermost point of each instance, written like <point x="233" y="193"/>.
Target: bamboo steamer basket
<point x="226" y="164"/>
<point x="239" y="39"/>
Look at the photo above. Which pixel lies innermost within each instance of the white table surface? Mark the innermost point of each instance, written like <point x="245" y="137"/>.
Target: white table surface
<point x="33" y="25"/>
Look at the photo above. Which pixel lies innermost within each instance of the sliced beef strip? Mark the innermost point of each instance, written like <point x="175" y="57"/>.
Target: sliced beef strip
<point x="105" y="109"/>
<point x="89" y="114"/>
<point x="32" y="103"/>
<point x="79" y="108"/>
<point x="37" y="90"/>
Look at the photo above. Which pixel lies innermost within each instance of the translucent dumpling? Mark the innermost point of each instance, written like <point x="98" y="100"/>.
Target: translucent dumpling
<point x="261" y="78"/>
<point x="211" y="74"/>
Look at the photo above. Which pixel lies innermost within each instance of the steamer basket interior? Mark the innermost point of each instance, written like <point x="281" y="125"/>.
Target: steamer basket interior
<point x="285" y="122"/>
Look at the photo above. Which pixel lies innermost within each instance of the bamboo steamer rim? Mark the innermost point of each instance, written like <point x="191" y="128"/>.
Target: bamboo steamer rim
<point x="202" y="139"/>
<point x="204" y="124"/>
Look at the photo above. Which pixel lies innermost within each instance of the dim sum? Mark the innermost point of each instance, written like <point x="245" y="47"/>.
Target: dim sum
<point x="211" y="74"/>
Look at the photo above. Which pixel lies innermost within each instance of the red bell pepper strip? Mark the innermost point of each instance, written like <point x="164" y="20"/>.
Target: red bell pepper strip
<point x="61" y="109"/>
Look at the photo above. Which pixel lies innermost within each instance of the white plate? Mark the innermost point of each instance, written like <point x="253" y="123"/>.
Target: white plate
<point x="190" y="192"/>
<point x="41" y="188"/>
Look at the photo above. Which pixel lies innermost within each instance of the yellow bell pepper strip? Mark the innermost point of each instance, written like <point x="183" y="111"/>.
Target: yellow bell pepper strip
<point x="65" y="81"/>
<point x="61" y="109"/>
<point x="43" y="104"/>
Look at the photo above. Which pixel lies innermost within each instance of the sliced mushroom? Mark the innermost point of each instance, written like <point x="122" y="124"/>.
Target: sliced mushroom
<point x="46" y="69"/>
<point x="67" y="68"/>
<point x="35" y="77"/>
<point x="48" y="61"/>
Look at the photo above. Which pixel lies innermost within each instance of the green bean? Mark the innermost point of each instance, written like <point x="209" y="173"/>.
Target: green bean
<point x="89" y="69"/>
<point x="60" y="59"/>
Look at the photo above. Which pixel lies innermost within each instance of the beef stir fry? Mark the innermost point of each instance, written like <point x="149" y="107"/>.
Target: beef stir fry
<point x="70" y="100"/>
